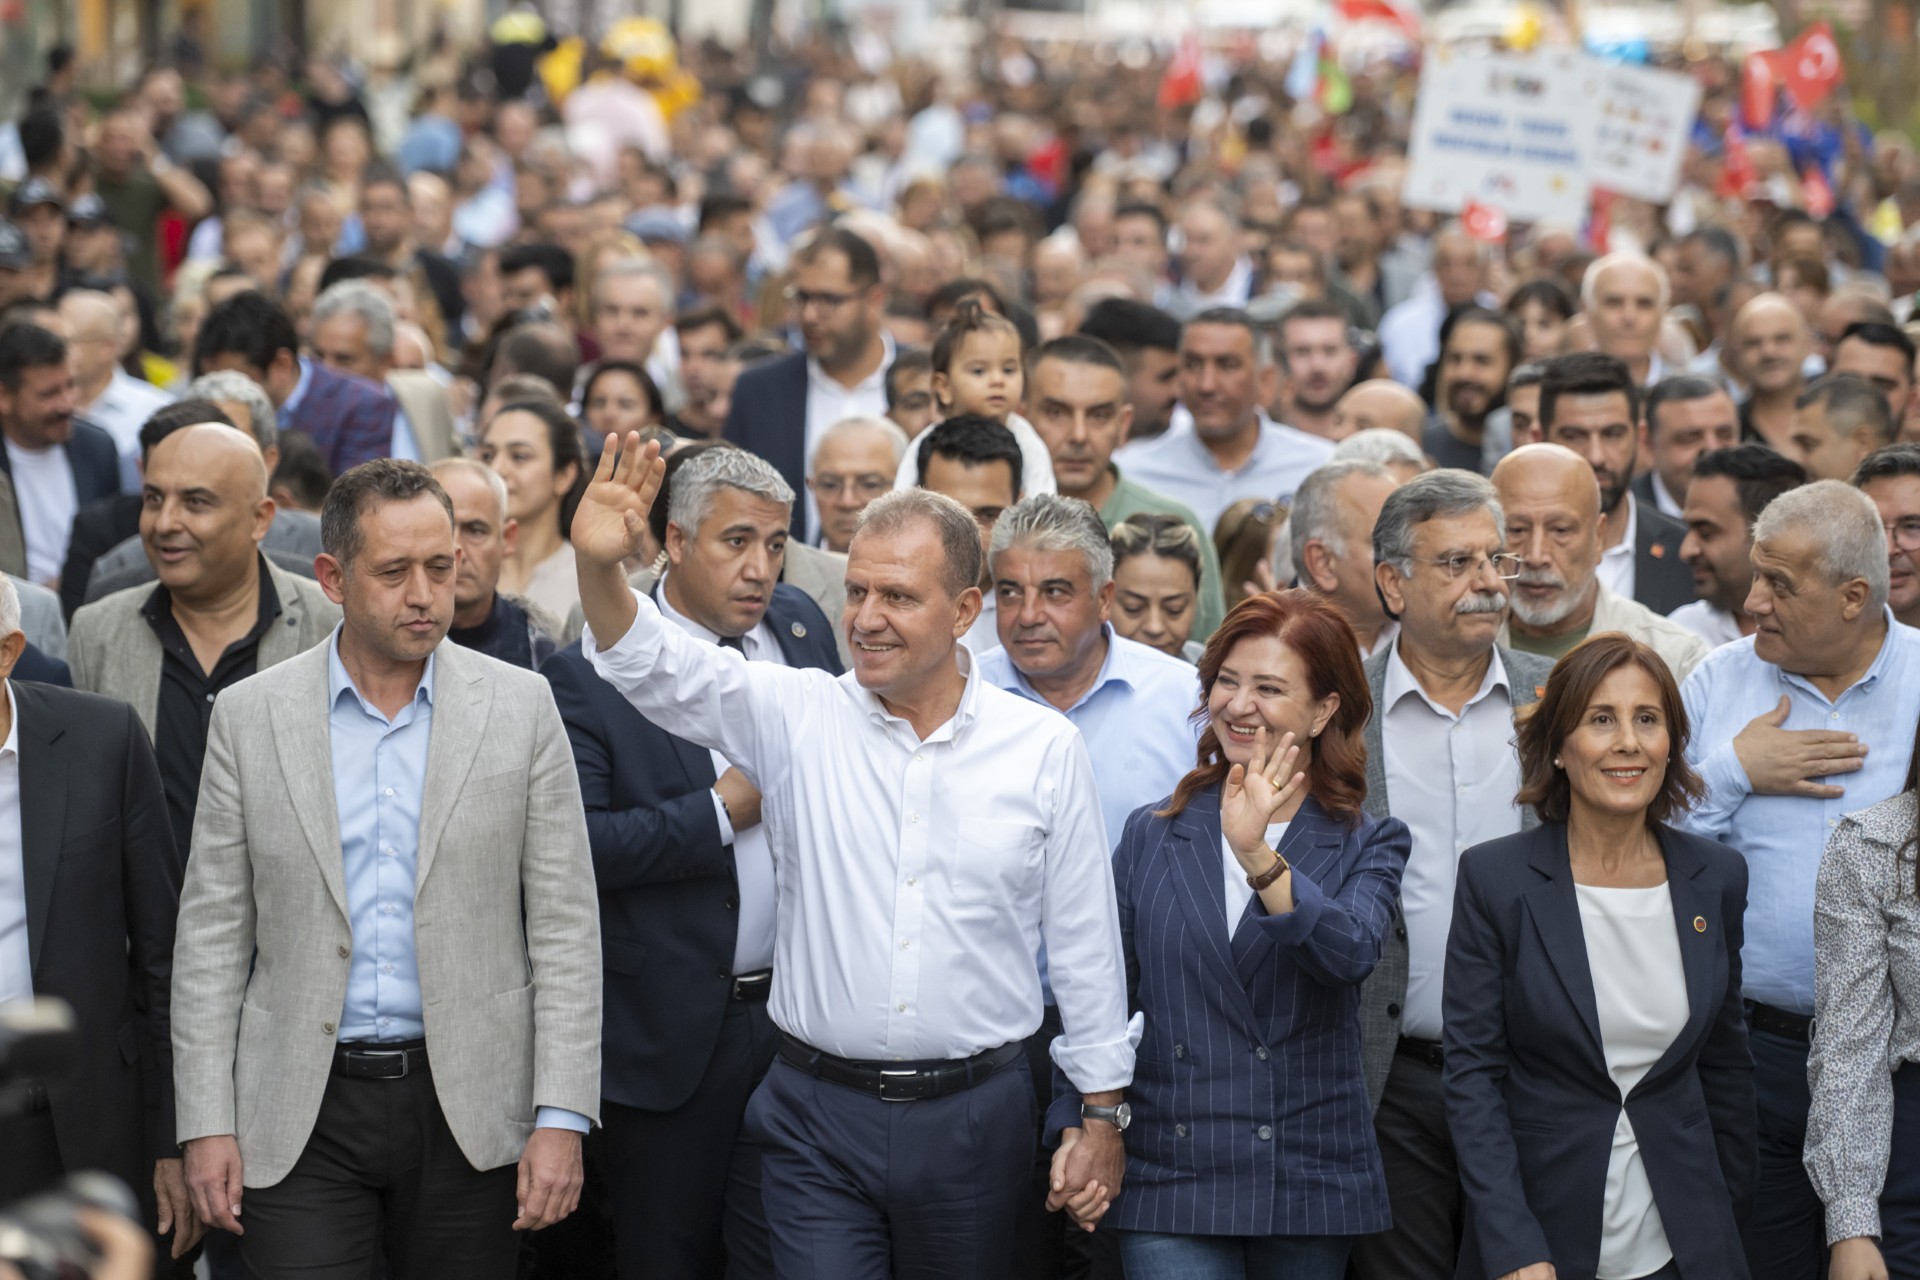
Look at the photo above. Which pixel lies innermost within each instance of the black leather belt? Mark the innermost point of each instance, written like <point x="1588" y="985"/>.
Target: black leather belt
<point x="899" y="1081"/>
<point x="1797" y="1027"/>
<point x="379" y="1061"/>
<point x="1426" y="1052"/>
<point x="752" y="988"/>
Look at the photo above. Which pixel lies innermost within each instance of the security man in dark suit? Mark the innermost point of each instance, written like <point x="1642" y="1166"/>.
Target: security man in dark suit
<point x="687" y="889"/>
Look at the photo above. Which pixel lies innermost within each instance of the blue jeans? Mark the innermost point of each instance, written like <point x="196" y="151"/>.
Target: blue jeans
<point x="1148" y="1255"/>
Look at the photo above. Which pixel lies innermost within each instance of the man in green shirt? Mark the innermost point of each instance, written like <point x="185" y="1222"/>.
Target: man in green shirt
<point x="137" y="183"/>
<point x="1077" y="401"/>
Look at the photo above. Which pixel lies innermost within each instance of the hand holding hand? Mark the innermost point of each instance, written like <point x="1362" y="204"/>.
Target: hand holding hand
<point x="1784" y="762"/>
<point x="612" y="517"/>
<point x="1087" y="1172"/>
<point x="1254" y="793"/>
<point x="213" y="1181"/>
<point x="176" y="1213"/>
<point x="552" y="1170"/>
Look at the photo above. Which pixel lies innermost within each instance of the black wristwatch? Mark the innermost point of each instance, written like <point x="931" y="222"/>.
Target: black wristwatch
<point x="1119" y="1116"/>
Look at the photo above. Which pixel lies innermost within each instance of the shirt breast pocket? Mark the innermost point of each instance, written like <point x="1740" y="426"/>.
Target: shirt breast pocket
<point x="995" y="861"/>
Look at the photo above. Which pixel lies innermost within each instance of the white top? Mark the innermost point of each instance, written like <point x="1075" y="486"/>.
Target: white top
<point x="1452" y="780"/>
<point x="1715" y="626"/>
<point x="43" y="486"/>
<point x="16" y="957"/>
<point x="121" y="409"/>
<point x="752" y="857"/>
<point x="917" y="878"/>
<point x="554" y="585"/>
<point x="1234" y="877"/>
<point x="1640" y="989"/>
<point x="1036" y="464"/>
<point x="829" y="401"/>
<point x="1616" y="571"/>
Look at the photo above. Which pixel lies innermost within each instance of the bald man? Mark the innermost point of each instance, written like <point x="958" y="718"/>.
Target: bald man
<point x="1554" y="526"/>
<point x="1771" y="342"/>
<point x="105" y="394"/>
<point x="500" y="626"/>
<point x="220" y="612"/>
<point x="1379" y="402"/>
<point x="1624" y="298"/>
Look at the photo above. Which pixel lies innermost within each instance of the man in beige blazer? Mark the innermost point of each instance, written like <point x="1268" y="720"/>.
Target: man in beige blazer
<point x="387" y="973"/>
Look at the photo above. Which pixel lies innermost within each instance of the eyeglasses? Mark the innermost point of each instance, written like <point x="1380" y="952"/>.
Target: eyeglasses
<point x="1904" y="533"/>
<point x="801" y="299"/>
<point x="868" y="486"/>
<point x="1505" y="567"/>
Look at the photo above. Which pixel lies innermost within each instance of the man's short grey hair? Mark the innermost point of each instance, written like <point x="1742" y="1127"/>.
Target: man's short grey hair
<point x="1315" y="513"/>
<point x="1050" y="522"/>
<point x="1382" y="446"/>
<point x="487" y="475"/>
<point x="644" y="268"/>
<point x="9" y="607"/>
<point x="358" y="298"/>
<point x="695" y="485"/>
<point x="895" y="437"/>
<point x="1433" y="496"/>
<point x="235" y="387"/>
<point x="1590" y="282"/>
<point x="954" y="525"/>
<point x="1845" y="528"/>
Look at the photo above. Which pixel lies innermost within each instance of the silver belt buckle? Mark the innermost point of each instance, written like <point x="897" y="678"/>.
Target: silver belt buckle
<point x="887" y="1097"/>
<point x="406" y="1067"/>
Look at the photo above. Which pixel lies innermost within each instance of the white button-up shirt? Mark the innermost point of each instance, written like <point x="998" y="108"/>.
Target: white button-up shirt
<point x="121" y="409"/>
<point x="16" y="956"/>
<point x="1452" y="780"/>
<point x="829" y="401"/>
<point x="752" y="858"/>
<point x="917" y="878"/>
<point x="1616" y="571"/>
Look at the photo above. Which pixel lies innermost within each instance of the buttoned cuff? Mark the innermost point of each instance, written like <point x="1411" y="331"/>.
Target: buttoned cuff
<point x="720" y="816"/>
<point x="561" y="1118"/>
<point x="1096" y="1068"/>
<point x="1851" y="1216"/>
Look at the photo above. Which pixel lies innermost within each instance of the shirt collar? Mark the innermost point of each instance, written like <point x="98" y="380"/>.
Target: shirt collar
<point x="1400" y="682"/>
<point x="1115" y="668"/>
<point x="340" y="683"/>
<point x="697" y="630"/>
<point x="299" y="393"/>
<point x="875" y="381"/>
<point x="11" y="747"/>
<point x="1875" y="669"/>
<point x="963" y="715"/>
<point x="1630" y="534"/>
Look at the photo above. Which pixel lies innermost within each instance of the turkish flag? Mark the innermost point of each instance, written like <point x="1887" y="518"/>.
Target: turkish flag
<point x="1810" y="67"/>
<point x="1484" y="222"/>
<point x="1180" y="86"/>
<point x="1759" y="90"/>
<point x="1816" y="194"/>
<point x="1737" y="172"/>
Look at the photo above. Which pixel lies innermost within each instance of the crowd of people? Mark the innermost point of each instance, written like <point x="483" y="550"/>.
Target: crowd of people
<point x="617" y="666"/>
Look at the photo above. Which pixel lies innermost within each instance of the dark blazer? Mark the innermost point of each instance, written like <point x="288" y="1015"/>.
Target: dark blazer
<point x="1250" y="1109"/>
<point x="349" y="419"/>
<point x="99" y="527"/>
<point x="42" y="669"/>
<point x="1661" y="579"/>
<point x="93" y="458"/>
<point x="103" y="888"/>
<point x="769" y="417"/>
<point x="667" y="889"/>
<point x="1529" y="1101"/>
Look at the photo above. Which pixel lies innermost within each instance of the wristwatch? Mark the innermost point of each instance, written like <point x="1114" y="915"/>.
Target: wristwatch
<point x="1119" y="1117"/>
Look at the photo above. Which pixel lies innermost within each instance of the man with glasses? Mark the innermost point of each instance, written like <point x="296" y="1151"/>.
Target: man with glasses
<point x="781" y="408"/>
<point x="1440" y="757"/>
<point x="1891" y="477"/>
<point x="853" y="464"/>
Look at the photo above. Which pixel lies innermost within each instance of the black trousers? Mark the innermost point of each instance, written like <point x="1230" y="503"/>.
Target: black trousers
<point x="1423" y="1181"/>
<point x="29" y="1155"/>
<point x="382" y="1175"/>
<point x="684" y="1185"/>
<point x="1785" y="1234"/>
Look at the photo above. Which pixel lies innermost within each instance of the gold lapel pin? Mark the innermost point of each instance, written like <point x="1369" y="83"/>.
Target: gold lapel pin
<point x="1699" y="924"/>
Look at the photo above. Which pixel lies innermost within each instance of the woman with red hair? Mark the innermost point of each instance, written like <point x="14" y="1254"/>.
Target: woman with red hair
<point x="1253" y="903"/>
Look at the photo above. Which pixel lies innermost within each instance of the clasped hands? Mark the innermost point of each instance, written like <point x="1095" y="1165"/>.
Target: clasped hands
<point x="1087" y="1172"/>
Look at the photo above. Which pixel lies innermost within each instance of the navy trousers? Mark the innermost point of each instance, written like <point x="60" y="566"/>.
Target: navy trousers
<point x="1785" y="1234"/>
<point x="1900" y="1195"/>
<point x="859" y="1189"/>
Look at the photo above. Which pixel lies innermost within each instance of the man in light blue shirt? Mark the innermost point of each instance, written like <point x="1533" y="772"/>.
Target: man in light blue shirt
<point x="1810" y="718"/>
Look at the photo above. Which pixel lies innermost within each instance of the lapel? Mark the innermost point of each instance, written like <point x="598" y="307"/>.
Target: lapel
<point x="282" y="639"/>
<point x="43" y="809"/>
<point x="1312" y="847"/>
<point x="1376" y="801"/>
<point x="782" y="623"/>
<point x="137" y="665"/>
<point x="461" y="700"/>
<point x="1193" y="857"/>
<point x="1692" y="900"/>
<point x="1555" y="909"/>
<point x="302" y="736"/>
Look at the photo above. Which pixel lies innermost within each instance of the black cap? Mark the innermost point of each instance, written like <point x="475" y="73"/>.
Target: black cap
<point x="88" y="210"/>
<point x="15" y="253"/>
<point x="32" y="192"/>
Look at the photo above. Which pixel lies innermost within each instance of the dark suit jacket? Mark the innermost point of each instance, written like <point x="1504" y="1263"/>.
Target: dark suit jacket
<point x="41" y="669"/>
<point x="93" y="458"/>
<point x="1529" y="1101"/>
<point x="1250" y="1107"/>
<point x="1661" y="579"/>
<point x="349" y="419"/>
<point x="100" y="526"/>
<point x="769" y="417"/>
<point x="103" y="888"/>
<point x="668" y="917"/>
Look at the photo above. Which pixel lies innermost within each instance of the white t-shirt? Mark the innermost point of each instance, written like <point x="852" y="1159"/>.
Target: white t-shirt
<point x="43" y="486"/>
<point x="1234" y="876"/>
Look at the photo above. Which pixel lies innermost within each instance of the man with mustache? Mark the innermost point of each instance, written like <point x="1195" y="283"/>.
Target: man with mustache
<point x="1771" y="343"/>
<point x="1730" y="488"/>
<point x="1553" y="526"/>
<point x="1440" y="757"/>
<point x="56" y="463"/>
<point x="1318" y="357"/>
<point x="1478" y="350"/>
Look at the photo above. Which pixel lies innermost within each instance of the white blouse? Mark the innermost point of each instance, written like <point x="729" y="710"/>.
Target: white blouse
<point x="1640" y="988"/>
<point x="1234" y="876"/>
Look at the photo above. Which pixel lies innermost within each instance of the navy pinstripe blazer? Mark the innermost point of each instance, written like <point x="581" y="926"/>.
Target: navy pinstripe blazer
<point x="1250" y="1107"/>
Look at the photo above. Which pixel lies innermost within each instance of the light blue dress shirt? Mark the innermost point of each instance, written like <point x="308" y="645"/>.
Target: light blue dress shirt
<point x="379" y="785"/>
<point x="298" y="394"/>
<point x="1176" y="464"/>
<point x="1783" y="837"/>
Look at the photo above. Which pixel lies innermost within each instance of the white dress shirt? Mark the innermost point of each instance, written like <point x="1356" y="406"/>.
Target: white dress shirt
<point x="1452" y="780"/>
<point x="1664" y="500"/>
<point x="917" y="878"/>
<point x="16" y="956"/>
<point x="1616" y="562"/>
<point x="752" y="858"/>
<point x="829" y="401"/>
<point x="44" y="488"/>
<point x="1715" y="626"/>
<point x="121" y="409"/>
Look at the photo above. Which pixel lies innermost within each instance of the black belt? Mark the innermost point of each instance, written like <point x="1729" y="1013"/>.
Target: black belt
<point x="752" y="988"/>
<point x="1797" y="1027"/>
<point x="900" y="1081"/>
<point x="1426" y="1052"/>
<point x="379" y="1061"/>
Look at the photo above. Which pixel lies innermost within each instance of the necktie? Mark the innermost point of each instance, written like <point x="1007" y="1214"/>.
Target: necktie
<point x="734" y="643"/>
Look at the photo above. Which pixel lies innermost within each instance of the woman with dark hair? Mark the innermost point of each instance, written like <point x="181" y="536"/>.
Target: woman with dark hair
<point x="1252" y="905"/>
<point x="1599" y="1088"/>
<point x="1156" y="583"/>
<point x="1544" y="310"/>
<point x="538" y="451"/>
<point x="620" y="396"/>
<point x="1863" y="1129"/>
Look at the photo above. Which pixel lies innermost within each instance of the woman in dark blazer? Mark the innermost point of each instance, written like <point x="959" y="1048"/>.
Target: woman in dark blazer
<point x="1595" y="959"/>
<point x="1252" y="904"/>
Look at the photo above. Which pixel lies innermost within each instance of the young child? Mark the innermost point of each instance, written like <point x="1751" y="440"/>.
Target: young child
<point x="979" y="366"/>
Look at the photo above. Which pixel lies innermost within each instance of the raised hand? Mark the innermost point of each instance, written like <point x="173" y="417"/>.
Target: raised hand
<point x="1255" y="792"/>
<point x="612" y="516"/>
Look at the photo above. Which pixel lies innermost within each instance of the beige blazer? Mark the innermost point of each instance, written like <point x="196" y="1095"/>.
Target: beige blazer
<point x="113" y="651"/>
<point x="1678" y="647"/>
<point x="511" y="1004"/>
<point x="425" y="403"/>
